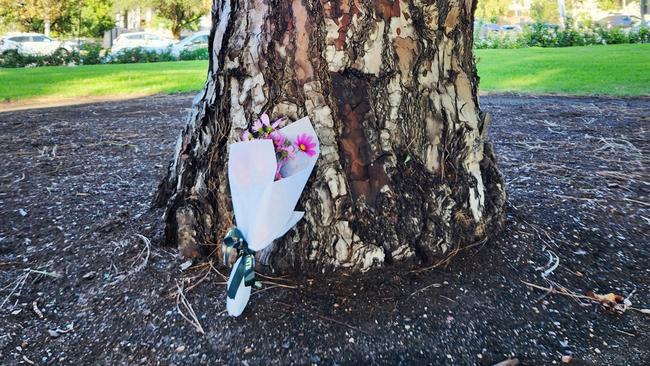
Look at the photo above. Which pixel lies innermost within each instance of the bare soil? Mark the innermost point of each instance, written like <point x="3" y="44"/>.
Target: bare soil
<point x="78" y="285"/>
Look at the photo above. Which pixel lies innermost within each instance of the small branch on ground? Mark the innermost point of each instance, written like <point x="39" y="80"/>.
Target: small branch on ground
<point x="19" y="282"/>
<point x="423" y="289"/>
<point x="445" y="262"/>
<point x="561" y="290"/>
<point x="182" y="300"/>
<point x="147" y="249"/>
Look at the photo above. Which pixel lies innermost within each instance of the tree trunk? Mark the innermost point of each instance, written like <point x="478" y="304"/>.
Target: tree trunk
<point x="176" y="30"/>
<point x="405" y="173"/>
<point x="46" y="26"/>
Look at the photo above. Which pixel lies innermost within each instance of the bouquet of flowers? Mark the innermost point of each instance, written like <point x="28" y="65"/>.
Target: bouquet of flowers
<point x="267" y="172"/>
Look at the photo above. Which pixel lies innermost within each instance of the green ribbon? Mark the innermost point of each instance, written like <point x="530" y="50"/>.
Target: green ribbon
<point x="246" y="269"/>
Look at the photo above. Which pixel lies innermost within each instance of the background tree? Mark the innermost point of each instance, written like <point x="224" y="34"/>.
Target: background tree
<point x="610" y="4"/>
<point x="88" y="18"/>
<point x="183" y="14"/>
<point x="405" y="173"/>
<point x="491" y="10"/>
<point x="123" y="7"/>
<point x="97" y="17"/>
<point x="35" y="15"/>
<point x="545" y="11"/>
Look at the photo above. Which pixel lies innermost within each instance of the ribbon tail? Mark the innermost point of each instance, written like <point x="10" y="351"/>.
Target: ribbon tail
<point x="249" y="270"/>
<point x="226" y="253"/>
<point x="236" y="281"/>
<point x="245" y="272"/>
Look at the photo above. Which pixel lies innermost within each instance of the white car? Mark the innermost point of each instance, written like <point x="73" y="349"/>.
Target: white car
<point x="190" y="43"/>
<point x="31" y="44"/>
<point x="144" y="40"/>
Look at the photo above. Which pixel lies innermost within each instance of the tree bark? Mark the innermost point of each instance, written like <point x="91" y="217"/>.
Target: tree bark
<point x="46" y="26"/>
<point x="405" y="173"/>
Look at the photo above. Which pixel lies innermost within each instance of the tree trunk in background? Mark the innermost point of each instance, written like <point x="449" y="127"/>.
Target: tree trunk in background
<point x="46" y="26"/>
<point x="176" y="31"/>
<point x="405" y="172"/>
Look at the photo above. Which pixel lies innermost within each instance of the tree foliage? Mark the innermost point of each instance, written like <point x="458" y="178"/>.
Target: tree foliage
<point x="183" y="14"/>
<point x="610" y="4"/>
<point x="96" y="17"/>
<point x="490" y="10"/>
<point x="90" y="17"/>
<point x="32" y="15"/>
<point x="544" y="11"/>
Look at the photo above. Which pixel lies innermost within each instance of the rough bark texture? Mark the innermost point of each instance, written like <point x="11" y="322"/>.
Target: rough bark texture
<point x="405" y="171"/>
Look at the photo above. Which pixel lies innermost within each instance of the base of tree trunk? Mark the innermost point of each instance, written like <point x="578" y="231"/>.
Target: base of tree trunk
<point x="405" y="173"/>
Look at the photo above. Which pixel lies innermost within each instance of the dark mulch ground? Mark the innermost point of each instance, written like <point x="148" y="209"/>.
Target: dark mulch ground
<point x="75" y="184"/>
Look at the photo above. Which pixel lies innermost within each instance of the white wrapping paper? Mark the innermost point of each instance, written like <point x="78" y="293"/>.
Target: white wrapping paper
<point x="264" y="208"/>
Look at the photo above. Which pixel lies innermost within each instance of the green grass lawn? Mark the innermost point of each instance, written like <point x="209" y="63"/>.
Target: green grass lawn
<point x="601" y="70"/>
<point x="605" y="70"/>
<point x="62" y="82"/>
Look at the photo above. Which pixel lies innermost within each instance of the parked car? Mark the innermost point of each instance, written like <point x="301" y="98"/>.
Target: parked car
<point x="76" y="44"/>
<point x="511" y="28"/>
<point x="144" y="40"/>
<point x="483" y="29"/>
<point x="190" y="43"/>
<point x="31" y="44"/>
<point x="617" y="21"/>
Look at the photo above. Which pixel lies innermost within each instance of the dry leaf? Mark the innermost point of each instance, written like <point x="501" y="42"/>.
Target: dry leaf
<point x="611" y="301"/>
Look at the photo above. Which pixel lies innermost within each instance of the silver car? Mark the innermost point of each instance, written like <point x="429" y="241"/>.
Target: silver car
<point x="148" y="41"/>
<point x="31" y="44"/>
<point x="190" y="43"/>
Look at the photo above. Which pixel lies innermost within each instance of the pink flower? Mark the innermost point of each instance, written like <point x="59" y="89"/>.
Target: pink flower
<point x="277" y="123"/>
<point x="246" y="136"/>
<point x="290" y="151"/>
<point x="265" y="119"/>
<point x="278" y="176"/>
<point x="278" y="139"/>
<point x="305" y="144"/>
<point x="261" y="123"/>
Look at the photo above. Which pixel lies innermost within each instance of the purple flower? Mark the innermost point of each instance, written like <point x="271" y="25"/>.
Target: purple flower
<point x="246" y="136"/>
<point x="278" y="139"/>
<point x="290" y="151"/>
<point x="265" y="120"/>
<point x="261" y="123"/>
<point x="278" y="176"/>
<point x="305" y="144"/>
<point x="277" y="123"/>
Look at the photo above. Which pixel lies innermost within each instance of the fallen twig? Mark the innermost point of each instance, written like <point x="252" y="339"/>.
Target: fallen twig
<point x="182" y="300"/>
<point x="147" y="249"/>
<point x="276" y="284"/>
<point x="626" y="333"/>
<point x="208" y="270"/>
<point x="423" y="289"/>
<point x="37" y="310"/>
<point x="578" y="198"/>
<point x="553" y="263"/>
<point x="636" y="201"/>
<point x="20" y="282"/>
<point x="212" y="267"/>
<point x="445" y="262"/>
<point x="44" y="273"/>
<point x="566" y="292"/>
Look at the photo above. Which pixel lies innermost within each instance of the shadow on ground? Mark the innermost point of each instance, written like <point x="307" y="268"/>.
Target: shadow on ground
<point x="79" y="286"/>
